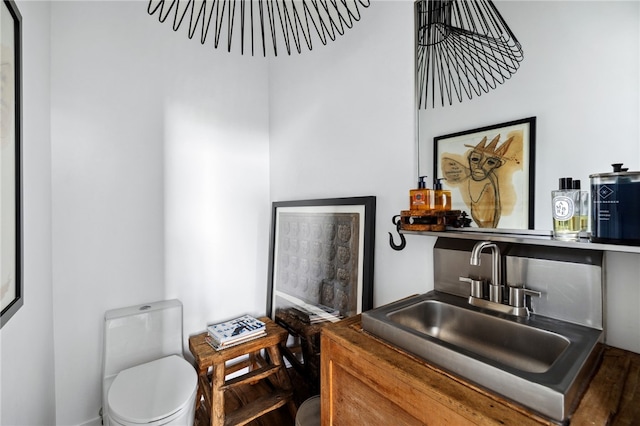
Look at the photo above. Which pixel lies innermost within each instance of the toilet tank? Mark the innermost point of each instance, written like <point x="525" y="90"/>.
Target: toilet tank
<point x="139" y="334"/>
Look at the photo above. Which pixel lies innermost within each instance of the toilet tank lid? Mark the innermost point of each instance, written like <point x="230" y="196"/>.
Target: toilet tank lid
<point x="141" y="309"/>
<point x="152" y="391"/>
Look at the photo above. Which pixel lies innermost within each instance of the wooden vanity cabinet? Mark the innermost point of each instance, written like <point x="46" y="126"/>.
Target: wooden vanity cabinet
<point x="364" y="381"/>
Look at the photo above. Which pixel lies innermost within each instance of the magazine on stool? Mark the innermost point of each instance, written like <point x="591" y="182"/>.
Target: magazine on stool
<point x="233" y="332"/>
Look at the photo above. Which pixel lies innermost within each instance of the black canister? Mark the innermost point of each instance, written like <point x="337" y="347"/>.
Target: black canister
<point x="615" y="206"/>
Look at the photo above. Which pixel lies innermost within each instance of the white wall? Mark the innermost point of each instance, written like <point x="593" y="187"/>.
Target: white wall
<point x="342" y="125"/>
<point x="157" y="140"/>
<point x="160" y="182"/>
<point x="322" y="146"/>
<point x="583" y="85"/>
<point x="26" y="341"/>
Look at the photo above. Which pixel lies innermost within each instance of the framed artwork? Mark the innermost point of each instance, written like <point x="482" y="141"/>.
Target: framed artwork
<point x="490" y="173"/>
<point x="11" y="290"/>
<point x="321" y="258"/>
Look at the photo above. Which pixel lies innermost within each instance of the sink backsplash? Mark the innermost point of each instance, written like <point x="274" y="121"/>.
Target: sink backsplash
<point x="570" y="280"/>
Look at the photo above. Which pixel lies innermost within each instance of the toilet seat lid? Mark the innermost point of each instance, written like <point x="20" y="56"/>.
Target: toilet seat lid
<point x="152" y="391"/>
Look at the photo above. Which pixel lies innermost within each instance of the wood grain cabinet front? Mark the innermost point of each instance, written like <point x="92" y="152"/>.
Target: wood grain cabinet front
<point x="364" y="381"/>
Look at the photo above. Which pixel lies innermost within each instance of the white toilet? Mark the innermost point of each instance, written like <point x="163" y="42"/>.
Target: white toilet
<point x="145" y="379"/>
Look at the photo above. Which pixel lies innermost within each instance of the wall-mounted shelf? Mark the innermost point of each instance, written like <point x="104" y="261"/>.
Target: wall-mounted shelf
<point x="541" y="238"/>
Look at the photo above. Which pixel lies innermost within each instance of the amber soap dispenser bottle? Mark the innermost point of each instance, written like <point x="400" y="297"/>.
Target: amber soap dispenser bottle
<point x="442" y="197"/>
<point x="421" y="198"/>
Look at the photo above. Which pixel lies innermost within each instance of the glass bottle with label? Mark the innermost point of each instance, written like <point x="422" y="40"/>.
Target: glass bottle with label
<point x="583" y="207"/>
<point x="565" y="204"/>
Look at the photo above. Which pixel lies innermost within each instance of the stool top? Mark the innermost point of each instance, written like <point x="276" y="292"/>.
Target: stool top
<point x="296" y="326"/>
<point x="206" y="355"/>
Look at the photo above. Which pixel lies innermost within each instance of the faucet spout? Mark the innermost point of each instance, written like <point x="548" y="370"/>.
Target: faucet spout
<point x="496" y="266"/>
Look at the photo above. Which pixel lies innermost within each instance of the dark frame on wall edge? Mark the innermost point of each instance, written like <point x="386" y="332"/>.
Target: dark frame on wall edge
<point x="452" y="159"/>
<point x="12" y="296"/>
<point x="362" y="207"/>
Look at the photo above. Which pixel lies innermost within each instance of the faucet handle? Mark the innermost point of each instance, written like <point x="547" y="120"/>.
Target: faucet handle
<point x="477" y="286"/>
<point x="517" y="295"/>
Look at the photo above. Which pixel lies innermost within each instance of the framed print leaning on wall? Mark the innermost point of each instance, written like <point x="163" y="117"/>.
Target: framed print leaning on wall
<point x="490" y="173"/>
<point x="11" y="285"/>
<point x="321" y="257"/>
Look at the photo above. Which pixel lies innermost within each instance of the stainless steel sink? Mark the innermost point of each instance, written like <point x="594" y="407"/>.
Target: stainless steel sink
<point x="510" y="343"/>
<point x="538" y="362"/>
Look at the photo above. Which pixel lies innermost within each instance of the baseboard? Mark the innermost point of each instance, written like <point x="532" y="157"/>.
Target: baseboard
<point x="93" y="422"/>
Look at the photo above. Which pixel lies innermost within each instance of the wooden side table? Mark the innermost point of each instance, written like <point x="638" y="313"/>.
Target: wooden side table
<point x="213" y="369"/>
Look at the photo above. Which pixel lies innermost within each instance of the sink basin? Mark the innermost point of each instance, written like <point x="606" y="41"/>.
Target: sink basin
<point x="510" y="343"/>
<point x="538" y="362"/>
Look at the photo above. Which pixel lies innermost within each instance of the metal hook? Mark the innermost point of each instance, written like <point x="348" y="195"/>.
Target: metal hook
<point x="403" y="242"/>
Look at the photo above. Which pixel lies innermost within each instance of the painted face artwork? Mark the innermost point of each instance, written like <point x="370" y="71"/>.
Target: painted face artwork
<point x="482" y="193"/>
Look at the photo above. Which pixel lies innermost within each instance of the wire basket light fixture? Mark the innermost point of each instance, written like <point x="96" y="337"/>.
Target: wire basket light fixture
<point x="463" y="47"/>
<point x="261" y="23"/>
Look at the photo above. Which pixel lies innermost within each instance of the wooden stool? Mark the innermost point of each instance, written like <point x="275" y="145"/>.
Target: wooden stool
<point x="213" y="370"/>
<point x="309" y="348"/>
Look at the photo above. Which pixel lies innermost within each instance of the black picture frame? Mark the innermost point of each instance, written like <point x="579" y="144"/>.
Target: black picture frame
<point x="321" y="256"/>
<point x="11" y="279"/>
<point x="490" y="172"/>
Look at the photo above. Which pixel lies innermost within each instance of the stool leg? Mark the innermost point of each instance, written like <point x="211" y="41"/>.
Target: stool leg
<point x="198" y="396"/>
<point x="217" y="395"/>
<point x="281" y="377"/>
<point x="253" y="360"/>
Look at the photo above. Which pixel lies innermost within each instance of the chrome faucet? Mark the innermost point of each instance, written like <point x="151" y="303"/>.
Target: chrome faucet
<point x="517" y="293"/>
<point x="495" y="288"/>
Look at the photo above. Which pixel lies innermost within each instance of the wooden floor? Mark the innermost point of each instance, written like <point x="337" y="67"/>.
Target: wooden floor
<point x="280" y="417"/>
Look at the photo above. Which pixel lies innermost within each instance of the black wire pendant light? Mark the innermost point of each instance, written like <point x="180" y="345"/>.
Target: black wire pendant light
<point x="261" y="23"/>
<point x="463" y="47"/>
